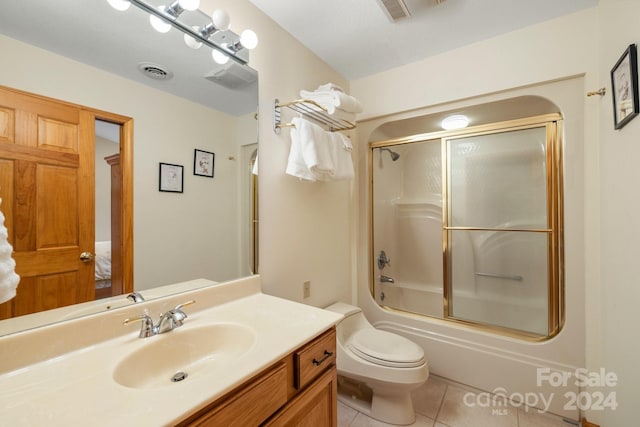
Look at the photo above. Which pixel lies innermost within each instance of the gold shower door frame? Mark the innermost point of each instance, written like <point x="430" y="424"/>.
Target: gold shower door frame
<point x="554" y="230"/>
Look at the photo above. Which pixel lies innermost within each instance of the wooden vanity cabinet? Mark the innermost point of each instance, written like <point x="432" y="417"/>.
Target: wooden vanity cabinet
<point x="299" y="390"/>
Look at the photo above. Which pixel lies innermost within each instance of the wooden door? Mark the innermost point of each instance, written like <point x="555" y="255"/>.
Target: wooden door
<point x="47" y="190"/>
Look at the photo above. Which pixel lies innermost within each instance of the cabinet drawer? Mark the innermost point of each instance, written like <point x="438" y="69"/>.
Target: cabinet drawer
<point x="252" y="405"/>
<point x="314" y="358"/>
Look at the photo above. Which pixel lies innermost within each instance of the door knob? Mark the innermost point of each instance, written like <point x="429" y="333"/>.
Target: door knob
<point x="86" y="257"/>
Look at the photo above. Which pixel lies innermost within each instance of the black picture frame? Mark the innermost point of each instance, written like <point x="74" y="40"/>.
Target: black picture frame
<point x="171" y="178"/>
<point x="624" y="87"/>
<point x="203" y="163"/>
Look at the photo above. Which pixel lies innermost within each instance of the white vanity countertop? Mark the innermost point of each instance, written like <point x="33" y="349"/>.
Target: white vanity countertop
<point x="77" y="387"/>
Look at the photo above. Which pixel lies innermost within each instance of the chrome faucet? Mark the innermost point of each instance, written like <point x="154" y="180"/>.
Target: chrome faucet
<point x="173" y="318"/>
<point x="386" y="279"/>
<point x="135" y="297"/>
<point x="168" y="321"/>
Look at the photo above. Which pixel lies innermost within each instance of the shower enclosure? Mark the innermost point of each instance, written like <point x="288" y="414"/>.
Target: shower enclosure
<point x="466" y="226"/>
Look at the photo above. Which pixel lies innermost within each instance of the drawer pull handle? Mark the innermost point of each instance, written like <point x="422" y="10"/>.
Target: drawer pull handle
<point x="327" y="354"/>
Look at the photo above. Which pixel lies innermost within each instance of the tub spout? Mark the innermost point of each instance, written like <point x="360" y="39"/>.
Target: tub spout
<point x="386" y="279"/>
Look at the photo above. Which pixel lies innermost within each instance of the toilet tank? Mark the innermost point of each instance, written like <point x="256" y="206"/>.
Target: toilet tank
<point x="353" y="321"/>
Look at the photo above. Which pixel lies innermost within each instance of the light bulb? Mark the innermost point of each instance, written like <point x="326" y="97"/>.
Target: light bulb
<point x="191" y="42"/>
<point x="249" y="39"/>
<point x="457" y="121"/>
<point x="158" y="24"/>
<point x="189" y="4"/>
<point x="120" y="5"/>
<point x="219" y="57"/>
<point x="221" y="19"/>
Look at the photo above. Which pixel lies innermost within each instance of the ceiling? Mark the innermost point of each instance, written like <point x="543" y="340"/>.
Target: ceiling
<point x="354" y="37"/>
<point x="357" y="39"/>
<point x="92" y="32"/>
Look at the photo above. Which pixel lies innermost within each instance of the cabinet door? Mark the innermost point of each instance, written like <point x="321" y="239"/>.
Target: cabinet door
<point x="253" y="404"/>
<point x="314" y="407"/>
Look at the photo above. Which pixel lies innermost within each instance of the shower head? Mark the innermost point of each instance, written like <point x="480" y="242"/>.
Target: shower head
<point x="394" y="156"/>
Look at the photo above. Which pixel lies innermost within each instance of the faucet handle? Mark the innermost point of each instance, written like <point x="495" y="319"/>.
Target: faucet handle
<point x="173" y="318"/>
<point x="178" y="315"/>
<point x="147" y="329"/>
<point x="184" y="304"/>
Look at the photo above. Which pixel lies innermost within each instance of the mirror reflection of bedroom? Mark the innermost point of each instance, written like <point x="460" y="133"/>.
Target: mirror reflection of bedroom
<point x="108" y="271"/>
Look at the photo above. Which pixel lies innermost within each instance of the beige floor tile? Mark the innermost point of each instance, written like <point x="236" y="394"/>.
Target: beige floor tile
<point x="456" y="411"/>
<point x="428" y="398"/>
<point x="532" y="418"/>
<point x="364" y="421"/>
<point x="346" y="415"/>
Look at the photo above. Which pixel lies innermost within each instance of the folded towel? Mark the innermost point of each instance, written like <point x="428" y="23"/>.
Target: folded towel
<point x="310" y="155"/>
<point x="332" y="99"/>
<point x="329" y="86"/>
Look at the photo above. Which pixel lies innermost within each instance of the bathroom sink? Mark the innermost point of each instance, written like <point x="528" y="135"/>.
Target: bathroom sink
<point x="183" y="354"/>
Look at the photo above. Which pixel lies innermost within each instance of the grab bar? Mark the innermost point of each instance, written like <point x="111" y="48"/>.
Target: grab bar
<point x="501" y="276"/>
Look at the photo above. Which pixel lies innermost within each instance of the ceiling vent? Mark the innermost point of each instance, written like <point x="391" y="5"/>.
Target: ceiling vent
<point x="154" y="71"/>
<point x="233" y="75"/>
<point x="394" y="9"/>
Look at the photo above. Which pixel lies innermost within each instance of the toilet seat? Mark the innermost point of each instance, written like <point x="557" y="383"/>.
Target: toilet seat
<point x="386" y="349"/>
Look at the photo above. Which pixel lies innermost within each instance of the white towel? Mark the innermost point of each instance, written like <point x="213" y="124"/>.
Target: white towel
<point x="8" y="277"/>
<point x="332" y="99"/>
<point x="310" y="155"/>
<point x="318" y="155"/>
<point x="329" y="86"/>
<point x="342" y="157"/>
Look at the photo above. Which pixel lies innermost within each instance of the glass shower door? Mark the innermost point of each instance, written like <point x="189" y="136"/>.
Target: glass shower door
<point x="407" y="227"/>
<point x="499" y="230"/>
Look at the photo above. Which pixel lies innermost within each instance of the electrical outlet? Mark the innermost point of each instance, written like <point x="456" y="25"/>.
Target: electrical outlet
<point x="306" y="289"/>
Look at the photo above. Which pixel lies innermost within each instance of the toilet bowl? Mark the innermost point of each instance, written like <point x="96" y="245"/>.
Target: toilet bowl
<point x="388" y="364"/>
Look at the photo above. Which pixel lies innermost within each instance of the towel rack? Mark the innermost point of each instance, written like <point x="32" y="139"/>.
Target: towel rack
<point x="312" y="110"/>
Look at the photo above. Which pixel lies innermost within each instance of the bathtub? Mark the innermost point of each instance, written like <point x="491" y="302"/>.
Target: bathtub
<point x="427" y="299"/>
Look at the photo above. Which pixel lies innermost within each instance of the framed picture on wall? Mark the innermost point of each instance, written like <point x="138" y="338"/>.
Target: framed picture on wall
<point x="171" y="178"/>
<point x="624" y="85"/>
<point x="203" y="162"/>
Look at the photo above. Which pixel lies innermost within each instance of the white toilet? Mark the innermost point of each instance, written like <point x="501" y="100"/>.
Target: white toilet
<point x="390" y="365"/>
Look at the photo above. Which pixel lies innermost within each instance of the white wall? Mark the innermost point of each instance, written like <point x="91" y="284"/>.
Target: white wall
<point x="305" y="231"/>
<point x="619" y="219"/>
<point x="166" y="129"/>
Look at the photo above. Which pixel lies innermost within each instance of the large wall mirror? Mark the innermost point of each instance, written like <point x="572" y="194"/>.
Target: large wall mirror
<point x="180" y="103"/>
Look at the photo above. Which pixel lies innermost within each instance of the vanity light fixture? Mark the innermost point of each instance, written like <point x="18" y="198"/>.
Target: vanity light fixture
<point x="457" y="121"/>
<point x="248" y="40"/>
<point x="120" y="5"/>
<point x="174" y="10"/>
<point x="164" y="18"/>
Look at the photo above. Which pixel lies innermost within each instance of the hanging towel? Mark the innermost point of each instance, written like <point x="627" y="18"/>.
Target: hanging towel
<point x="332" y="100"/>
<point x="8" y="277"/>
<point x="342" y="157"/>
<point x="318" y="155"/>
<point x="310" y="156"/>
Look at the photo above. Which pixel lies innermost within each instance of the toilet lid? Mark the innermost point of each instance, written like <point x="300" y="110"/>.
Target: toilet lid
<point x="386" y="349"/>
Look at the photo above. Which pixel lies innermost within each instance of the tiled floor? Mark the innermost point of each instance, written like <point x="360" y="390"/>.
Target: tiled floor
<point x="440" y="403"/>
